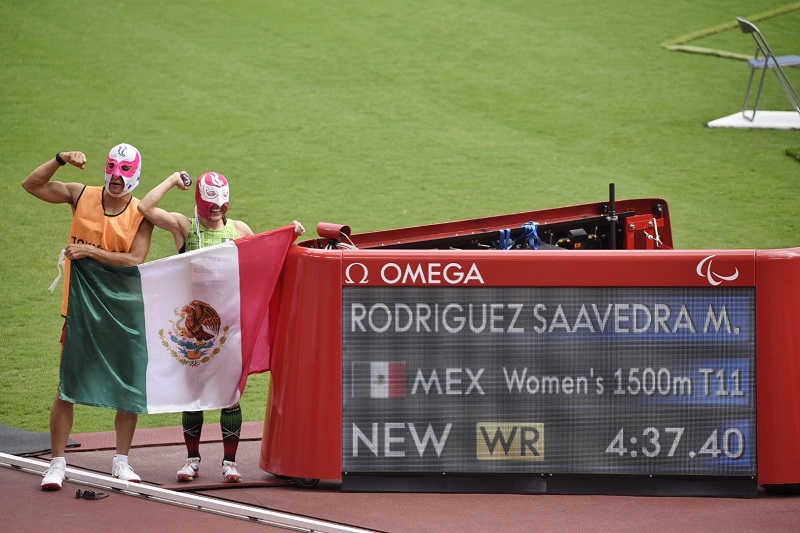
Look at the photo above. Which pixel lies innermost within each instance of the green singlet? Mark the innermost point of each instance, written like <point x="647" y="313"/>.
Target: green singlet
<point x="206" y="237"/>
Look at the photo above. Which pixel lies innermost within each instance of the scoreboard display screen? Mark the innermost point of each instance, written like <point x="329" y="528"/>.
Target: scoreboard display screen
<point x="654" y="381"/>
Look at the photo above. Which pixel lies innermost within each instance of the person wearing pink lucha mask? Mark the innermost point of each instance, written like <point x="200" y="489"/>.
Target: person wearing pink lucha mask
<point x="106" y="226"/>
<point x="209" y="225"/>
<point x="124" y="163"/>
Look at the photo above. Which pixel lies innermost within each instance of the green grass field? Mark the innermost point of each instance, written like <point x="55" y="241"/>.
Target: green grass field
<point x="376" y="115"/>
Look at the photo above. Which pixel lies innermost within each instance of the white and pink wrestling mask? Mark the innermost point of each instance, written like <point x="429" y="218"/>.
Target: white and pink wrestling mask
<point x="124" y="161"/>
<point x="212" y="189"/>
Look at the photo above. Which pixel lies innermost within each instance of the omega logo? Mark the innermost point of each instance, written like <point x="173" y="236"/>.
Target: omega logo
<point x="704" y="269"/>
<point x="359" y="266"/>
<point x="408" y="273"/>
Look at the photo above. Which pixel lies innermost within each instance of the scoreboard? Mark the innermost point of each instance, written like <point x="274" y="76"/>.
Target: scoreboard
<point x="580" y="355"/>
<point x="549" y="380"/>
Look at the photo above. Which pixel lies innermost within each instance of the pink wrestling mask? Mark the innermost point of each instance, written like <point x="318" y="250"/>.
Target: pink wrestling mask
<point x="212" y="189"/>
<point x="125" y="162"/>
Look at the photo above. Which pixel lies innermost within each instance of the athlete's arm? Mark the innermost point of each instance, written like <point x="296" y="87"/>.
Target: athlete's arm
<point x="55" y="192"/>
<point x="175" y="223"/>
<point x="137" y="255"/>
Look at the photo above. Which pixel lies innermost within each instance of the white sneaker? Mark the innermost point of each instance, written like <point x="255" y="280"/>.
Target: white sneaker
<point x="124" y="472"/>
<point x="54" y="476"/>
<point x="190" y="470"/>
<point x="229" y="472"/>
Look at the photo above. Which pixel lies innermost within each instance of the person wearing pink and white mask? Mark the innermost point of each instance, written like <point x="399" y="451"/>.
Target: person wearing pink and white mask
<point x="106" y="226"/>
<point x="210" y="225"/>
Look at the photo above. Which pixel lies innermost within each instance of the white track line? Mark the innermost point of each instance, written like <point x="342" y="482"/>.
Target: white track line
<point x="201" y="503"/>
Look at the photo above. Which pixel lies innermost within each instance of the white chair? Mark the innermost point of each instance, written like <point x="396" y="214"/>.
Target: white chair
<point x="765" y="60"/>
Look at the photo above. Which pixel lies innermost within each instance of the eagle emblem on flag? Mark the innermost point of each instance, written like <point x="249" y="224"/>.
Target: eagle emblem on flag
<point x="196" y="336"/>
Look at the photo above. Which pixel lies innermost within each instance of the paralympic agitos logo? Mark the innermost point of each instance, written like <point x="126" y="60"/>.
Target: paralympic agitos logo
<point x="415" y="273"/>
<point x="705" y="269"/>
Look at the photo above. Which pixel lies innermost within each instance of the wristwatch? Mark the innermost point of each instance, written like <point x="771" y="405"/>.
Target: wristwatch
<point x="59" y="160"/>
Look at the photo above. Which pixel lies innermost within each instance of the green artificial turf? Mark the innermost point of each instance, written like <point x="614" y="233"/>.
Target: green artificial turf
<point x="376" y="115"/>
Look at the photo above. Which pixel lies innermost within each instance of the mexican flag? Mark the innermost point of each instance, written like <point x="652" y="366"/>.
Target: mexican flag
<point x="379" y="379"/>
<point x="176" y="334"/>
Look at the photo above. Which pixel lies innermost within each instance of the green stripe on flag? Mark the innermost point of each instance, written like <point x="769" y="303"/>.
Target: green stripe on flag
<point x="104" y="362"/>
<point x="361" y="379"/>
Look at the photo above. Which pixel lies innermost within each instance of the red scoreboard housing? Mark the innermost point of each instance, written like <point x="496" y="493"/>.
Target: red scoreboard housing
<point x="567" y="350"/>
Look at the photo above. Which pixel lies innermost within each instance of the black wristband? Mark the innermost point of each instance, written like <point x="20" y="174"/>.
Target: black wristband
<point x="59" y="160"/>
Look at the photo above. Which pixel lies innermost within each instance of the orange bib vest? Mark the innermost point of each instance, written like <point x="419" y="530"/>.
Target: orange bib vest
<point x="91" y="225"/>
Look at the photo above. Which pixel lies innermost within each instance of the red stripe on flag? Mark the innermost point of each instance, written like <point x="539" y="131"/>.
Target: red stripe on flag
<point x="397" y="379"/>
<point x="261" y="259"/>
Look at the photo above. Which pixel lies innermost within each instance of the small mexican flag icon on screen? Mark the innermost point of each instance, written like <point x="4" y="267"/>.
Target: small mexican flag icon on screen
<point x="379" y="379"/>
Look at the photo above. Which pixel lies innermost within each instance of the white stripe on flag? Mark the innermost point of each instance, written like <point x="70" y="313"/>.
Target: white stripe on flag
<point x="176" y="382"/>
<point x="379" y="379"/>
